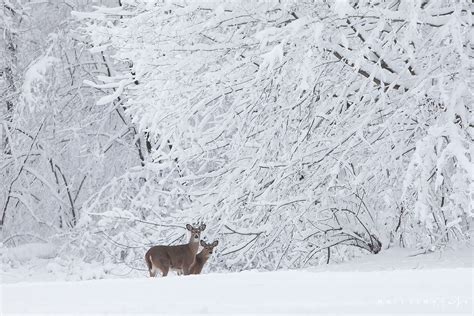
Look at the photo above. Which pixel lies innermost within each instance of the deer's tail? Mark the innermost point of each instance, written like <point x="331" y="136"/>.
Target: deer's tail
<point x="148" y="261"/>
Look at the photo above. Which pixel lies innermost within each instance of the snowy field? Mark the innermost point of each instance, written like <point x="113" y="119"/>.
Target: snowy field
<point x="392" y="282"/>
<point x="415" y="291"/>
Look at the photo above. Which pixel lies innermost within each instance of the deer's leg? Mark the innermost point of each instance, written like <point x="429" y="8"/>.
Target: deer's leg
<point x="186" y="270"/>
<point x="164" y="271"/>
<point x="164" y="265"/>
<point x="159" y="265"/>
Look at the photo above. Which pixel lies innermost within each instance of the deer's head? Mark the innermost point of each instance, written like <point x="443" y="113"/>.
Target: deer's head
<point x="196" y="230"/>
<point x="208" y="248"/>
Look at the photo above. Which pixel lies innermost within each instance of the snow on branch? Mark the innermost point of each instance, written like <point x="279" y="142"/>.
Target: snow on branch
<point x="303" y="127"/>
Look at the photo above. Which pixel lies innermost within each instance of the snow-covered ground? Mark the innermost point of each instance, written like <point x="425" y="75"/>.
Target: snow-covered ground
<point x="416" y="291"/>
<point x="391" y="282"/>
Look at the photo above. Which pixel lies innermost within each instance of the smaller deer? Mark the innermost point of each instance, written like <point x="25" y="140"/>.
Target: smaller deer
<point x="179" y="257"/>
<point x="201" y="258"/>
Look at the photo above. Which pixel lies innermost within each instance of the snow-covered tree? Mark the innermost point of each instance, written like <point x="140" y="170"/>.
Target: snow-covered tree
<point x="299" y="131"/>
<point x="57" y="146"/>
<point x="299" y="128"/>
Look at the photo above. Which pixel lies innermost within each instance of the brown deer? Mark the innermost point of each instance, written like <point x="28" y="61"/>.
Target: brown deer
<point x="201" y="258"/>
<point x="179" y="257"/>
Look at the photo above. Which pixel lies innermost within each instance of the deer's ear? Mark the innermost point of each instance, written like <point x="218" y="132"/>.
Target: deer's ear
<point x="189" y="227"/>
<point x="203" y="227"/>
<point x="203" y="243"/>
<point x="215" y="243"/>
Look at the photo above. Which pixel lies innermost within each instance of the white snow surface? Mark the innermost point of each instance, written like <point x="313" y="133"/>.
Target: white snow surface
<point x="396" y="281"/>
<point x="414" y="291"/>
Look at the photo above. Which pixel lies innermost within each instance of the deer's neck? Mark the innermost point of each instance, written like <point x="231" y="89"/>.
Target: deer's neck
<point x="202" y="257"/>
<point x="194" y="245"/>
